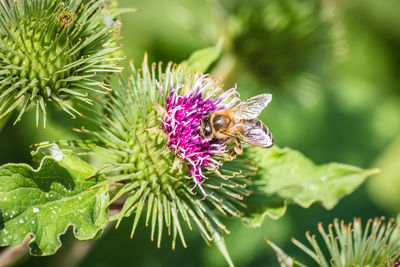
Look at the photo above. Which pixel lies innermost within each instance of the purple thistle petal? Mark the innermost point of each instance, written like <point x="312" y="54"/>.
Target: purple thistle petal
<point x="182" y="125"/>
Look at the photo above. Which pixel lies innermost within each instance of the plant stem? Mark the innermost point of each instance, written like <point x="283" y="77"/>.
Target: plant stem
<point x="76" y="251"/>
<point x="11" y="255"/>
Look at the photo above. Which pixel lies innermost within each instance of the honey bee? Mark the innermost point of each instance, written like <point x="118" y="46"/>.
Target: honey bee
<point x="239" y="123"/>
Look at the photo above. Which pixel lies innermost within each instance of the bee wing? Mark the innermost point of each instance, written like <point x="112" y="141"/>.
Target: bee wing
<point x="252" y="107"/>
<point x="258" y="136"/>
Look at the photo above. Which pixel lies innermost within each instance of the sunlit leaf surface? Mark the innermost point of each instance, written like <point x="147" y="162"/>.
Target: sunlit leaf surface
<point x="43" y="203"/>
<point x="287" y="176"/>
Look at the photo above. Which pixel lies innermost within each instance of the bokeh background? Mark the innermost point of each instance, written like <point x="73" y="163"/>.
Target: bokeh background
<point x="333" y="68"/>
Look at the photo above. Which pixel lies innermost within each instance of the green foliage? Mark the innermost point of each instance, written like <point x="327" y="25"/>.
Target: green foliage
<point x="44" y="203"/>
<point x="51" y="51"/>
<point x="285" y="176"/>
<point x="201" y="60"/>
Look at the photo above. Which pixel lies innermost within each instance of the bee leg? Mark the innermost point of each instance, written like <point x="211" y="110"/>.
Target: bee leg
<point x="236" y="150"/>
<point x="232" y="154"/>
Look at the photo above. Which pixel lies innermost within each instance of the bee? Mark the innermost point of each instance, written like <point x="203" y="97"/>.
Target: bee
<point x="239" y="123"/>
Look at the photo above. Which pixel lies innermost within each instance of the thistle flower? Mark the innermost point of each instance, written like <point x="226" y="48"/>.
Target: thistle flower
<point x="378" y="244"/>
<point x="51" y="51"/>
<point x="182" y="125"/>
<point x="153" y="155"/>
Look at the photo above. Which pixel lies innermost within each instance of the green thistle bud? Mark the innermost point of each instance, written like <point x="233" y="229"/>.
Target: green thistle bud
<point x="286" y="43"/>
<point x="377" y="244"/>
<point x="51" y="51"/>
<point x="173" y="179"/>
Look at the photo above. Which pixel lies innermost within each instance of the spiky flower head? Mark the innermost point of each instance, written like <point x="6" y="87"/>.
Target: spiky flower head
<point x="52" y="51"/>
<point x="378" y="244"/>
<point x="153" y="155"/>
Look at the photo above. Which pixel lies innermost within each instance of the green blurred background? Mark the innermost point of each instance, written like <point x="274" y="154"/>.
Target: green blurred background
<point x="333" y="69"/>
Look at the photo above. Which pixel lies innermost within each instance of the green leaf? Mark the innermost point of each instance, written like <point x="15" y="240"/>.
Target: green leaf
<point x="287" y="176"/>
<point x="261" y="204"/>
<point x="43" y="203"/>
<point x="201" y="60"/>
